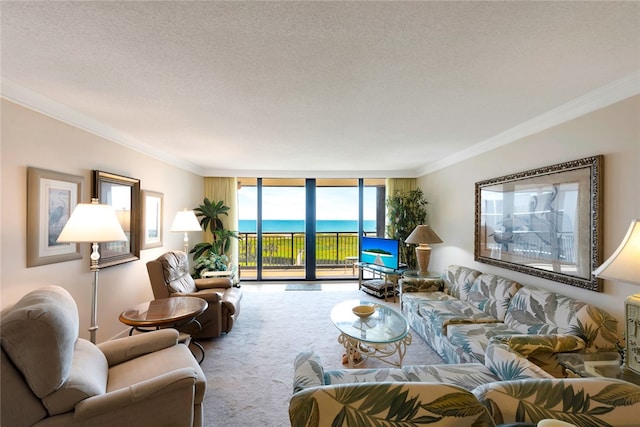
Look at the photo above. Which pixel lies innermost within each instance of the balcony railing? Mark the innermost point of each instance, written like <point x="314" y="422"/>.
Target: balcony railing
<point x="287" y="249"/>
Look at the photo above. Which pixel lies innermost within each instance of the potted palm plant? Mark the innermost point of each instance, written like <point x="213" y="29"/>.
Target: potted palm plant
<point x="214" y="255"/>
<point x="405" y="211"/>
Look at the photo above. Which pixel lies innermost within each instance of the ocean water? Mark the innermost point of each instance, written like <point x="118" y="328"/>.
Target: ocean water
<point x="297" y="226"/>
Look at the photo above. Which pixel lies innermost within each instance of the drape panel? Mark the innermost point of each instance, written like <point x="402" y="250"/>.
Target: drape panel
<point x="225" y="189"/>
<point x="404" y="185"/>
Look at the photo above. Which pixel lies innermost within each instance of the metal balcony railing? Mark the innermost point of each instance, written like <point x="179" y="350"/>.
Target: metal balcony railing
<point x="287" y="249"/>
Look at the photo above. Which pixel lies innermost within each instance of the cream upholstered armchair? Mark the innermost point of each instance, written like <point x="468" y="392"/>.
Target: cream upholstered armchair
<point x="50" y="377"/>
<point x="169" y="276"/>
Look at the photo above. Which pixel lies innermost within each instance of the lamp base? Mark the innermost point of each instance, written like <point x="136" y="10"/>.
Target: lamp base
<point x="423" y="255"/>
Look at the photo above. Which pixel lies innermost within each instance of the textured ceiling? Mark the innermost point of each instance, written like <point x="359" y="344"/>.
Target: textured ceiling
<point x="312" y="88"/>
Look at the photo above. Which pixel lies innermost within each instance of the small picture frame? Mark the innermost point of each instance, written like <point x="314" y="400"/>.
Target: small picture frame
<point x="51" y="197"/>
<point x="151" y="219"/>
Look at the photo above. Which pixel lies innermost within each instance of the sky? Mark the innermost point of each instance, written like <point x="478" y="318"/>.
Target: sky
<point x="289" y="203"/>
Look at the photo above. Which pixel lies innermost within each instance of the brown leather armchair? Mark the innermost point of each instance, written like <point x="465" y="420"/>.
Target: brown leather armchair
<point x="169" y="276"/>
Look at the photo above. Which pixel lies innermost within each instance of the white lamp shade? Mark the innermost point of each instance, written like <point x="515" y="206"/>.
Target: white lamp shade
<point x="624" y="264"/>
<point x="93" y="223"/>
<point x="185" y="221"/>
<point x="423" y="234"/>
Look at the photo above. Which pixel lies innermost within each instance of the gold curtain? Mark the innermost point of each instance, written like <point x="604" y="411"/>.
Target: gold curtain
<point x="404" y="185"/>
<point x="225" y="189"/>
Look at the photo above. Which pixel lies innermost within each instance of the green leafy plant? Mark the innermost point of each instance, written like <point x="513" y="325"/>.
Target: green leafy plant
<point x="405" y="211"/>
<point x="213" y="256"/>
<point x="210" y="262"/>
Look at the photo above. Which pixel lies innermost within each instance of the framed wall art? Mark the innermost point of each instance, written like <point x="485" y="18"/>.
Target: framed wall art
<point x="545" y="222"/>
<point x="152" y="219"/>
<point x="51" y="197"/>
<point x="123" y="193"/>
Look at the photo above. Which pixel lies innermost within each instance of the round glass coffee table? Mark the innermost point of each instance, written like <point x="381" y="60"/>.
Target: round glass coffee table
<point x="166" y="312"/>
<point x="384" y="335"/>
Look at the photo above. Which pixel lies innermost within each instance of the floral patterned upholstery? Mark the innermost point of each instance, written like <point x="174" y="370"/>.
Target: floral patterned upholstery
<point x="509" y="388"/>
<point x="583" y="402"/>
<point x="474" y="308"/>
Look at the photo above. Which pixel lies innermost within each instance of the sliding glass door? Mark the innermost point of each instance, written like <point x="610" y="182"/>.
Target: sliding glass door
<point x="306" y="229"/>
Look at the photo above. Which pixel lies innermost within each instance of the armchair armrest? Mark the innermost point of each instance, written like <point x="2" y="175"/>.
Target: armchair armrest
<point x="209" y="295"/>
<point x="123" y="349"/>
<point x="213" y="282"/>
<point x="133" y="401"/>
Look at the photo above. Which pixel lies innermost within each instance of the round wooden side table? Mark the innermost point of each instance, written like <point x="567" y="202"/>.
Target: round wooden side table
<point x="166" y="312"/>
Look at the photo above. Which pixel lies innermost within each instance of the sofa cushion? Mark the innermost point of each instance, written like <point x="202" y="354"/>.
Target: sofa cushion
<point x="43" y="325"/>
<point x="536" y="311"/>
<point x="88" y="377"/>
<point x="458" y="280"/>
<point x="492" y="294"/>
<point x="440" y="314"/>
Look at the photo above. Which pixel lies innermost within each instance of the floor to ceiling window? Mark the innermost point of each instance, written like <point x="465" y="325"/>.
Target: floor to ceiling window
<point x="306" y="228"/>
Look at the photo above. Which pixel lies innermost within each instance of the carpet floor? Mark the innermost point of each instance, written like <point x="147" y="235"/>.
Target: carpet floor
<point x="250" y="371"/>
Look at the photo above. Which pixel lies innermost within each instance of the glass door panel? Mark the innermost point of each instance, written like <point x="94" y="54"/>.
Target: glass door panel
<point x="337" y="227"/>
<point x="283" y="228"/>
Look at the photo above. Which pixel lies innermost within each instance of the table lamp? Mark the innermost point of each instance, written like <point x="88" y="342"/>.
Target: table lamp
<point x="186" y="221"/>
<point x="624" y="266"/>
<point x="93" y="223"/>
<point x="422" y="236"/>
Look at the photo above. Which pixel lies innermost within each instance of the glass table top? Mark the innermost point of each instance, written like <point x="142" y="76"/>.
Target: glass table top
<point x="163" y="311"/>
<point x="384" y="326"/>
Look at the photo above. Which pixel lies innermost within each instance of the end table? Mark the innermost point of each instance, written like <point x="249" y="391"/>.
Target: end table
<point x="597" y="364"/>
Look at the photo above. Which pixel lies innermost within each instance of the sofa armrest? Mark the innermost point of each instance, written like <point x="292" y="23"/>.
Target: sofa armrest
<point x="508" y="364"/>
<point x="123" y="349"/>
<point x="542" y="349"/>
<point x="133" y="402"/>
<point x="580" y="401"/>
<point x="308" y="371"/>
<point x="527" y="345"/>
<point x="399" y="403"/>
<point x="421" y="285"/>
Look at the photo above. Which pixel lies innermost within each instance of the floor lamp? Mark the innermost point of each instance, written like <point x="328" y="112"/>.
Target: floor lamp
<point x="624" y="266"/>
<point x="423" y="236"/>
<point x="186" y="221"/>
<point x="93" y="223"/>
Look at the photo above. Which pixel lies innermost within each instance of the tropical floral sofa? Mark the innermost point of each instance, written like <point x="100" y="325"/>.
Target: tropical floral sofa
<point x="508" y="389"/>
<point x="473" y="309"/>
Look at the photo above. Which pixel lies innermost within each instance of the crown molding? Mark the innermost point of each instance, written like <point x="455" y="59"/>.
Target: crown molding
<point x="607" y="95"/>
<point x="604" y="96"/>
<point x="20" y="95"/>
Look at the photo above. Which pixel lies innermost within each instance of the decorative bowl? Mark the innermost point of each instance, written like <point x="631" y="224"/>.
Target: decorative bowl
<point x="363" y="311"/>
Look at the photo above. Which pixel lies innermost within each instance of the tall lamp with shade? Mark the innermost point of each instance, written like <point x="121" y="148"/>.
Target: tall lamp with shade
<point x="624" y="266"/>
<point x="93" y="223"/>
<point x="423" y="236"/>
<point x="186" y="221"/>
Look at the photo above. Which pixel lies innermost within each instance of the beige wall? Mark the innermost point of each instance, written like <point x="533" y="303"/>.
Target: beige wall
<point x="613" y="131"/>
<point x="32" y="139"/>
